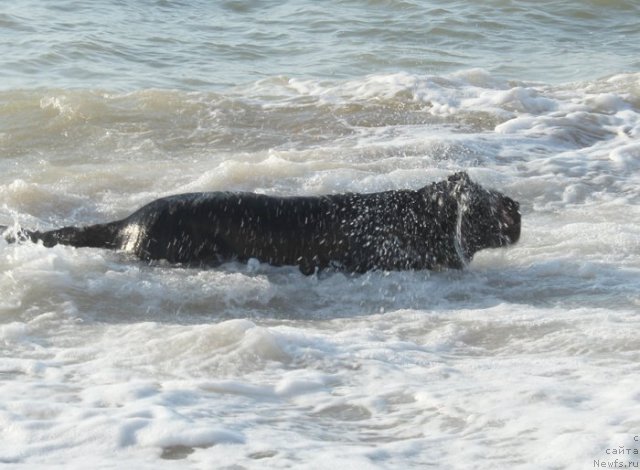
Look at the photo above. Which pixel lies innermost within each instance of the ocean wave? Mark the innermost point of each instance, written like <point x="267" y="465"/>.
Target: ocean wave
<point x="283" y="114"/>
<point x="473" y="90"/>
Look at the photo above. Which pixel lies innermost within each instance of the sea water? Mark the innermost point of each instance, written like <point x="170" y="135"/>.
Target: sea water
<point x="526" y="359"/>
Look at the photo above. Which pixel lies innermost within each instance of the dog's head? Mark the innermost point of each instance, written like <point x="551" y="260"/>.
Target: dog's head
<point x="485" y="218"/>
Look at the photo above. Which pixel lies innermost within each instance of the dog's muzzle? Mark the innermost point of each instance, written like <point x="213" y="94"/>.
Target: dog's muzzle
<point x="510" y="219"/>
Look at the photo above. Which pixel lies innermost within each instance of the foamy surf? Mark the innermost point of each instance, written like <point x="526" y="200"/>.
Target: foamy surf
<point x="527" y="358"/>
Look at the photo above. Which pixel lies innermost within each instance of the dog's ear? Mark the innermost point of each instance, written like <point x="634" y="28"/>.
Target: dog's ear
<point x="461" y="178"/>
<point x="460" y="183"/>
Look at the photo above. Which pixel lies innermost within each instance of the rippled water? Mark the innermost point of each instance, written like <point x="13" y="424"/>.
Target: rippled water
<point x="526" y="359"/>
<point x="214" y="45"/>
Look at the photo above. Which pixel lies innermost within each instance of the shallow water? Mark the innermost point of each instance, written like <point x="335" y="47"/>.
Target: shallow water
<point x="528" y="358"/>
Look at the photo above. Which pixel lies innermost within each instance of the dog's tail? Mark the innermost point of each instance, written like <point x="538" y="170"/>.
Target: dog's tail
<point x="94" y="236"/>
<point x="7" y="234"/>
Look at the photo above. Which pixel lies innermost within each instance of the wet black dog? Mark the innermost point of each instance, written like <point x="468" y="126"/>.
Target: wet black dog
<point x="440" y="225"/>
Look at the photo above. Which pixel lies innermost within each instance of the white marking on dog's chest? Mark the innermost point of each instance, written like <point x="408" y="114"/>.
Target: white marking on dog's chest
<point x="457" y="239"/>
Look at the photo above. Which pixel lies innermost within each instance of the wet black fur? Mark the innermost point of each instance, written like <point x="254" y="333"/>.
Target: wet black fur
<point x="440" y="225"/>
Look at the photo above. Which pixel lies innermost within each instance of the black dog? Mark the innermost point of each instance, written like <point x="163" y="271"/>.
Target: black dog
<point x="440" y="225"/>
